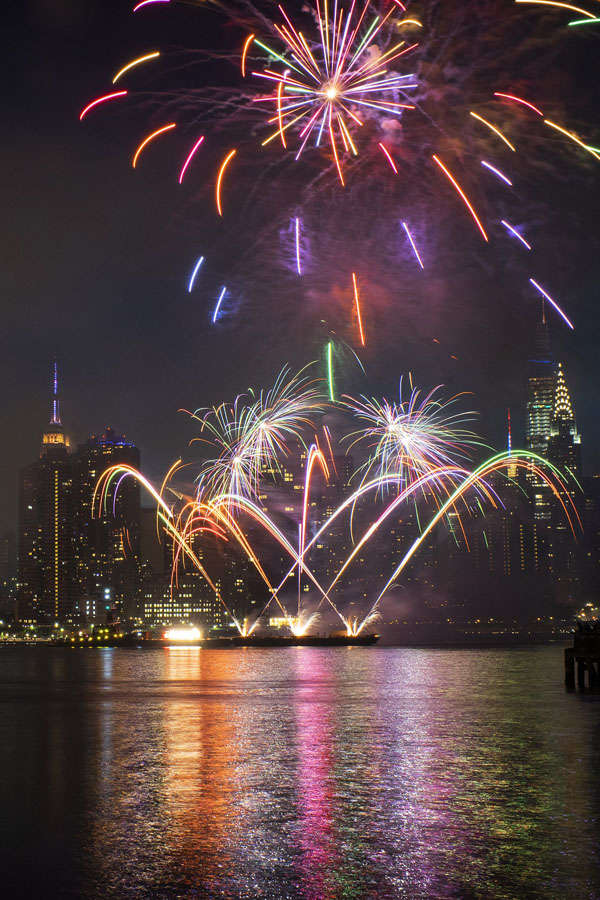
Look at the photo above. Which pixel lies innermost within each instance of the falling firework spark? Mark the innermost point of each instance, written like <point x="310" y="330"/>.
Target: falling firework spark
<point x="100" y="100"/>
<point x="357" y="305"/>
<point x="150" y="138"/>
<point x="218" y="306"/>
<point x="189" y="158"/>
<point x="514" y="232"/>
<point x="297" y="229"/>
<point x="136" y="62"/>
<point x="194" y="273"/>
<point x="497" y="172"/>
<point x="219" y="182"/>
<point x="552" y="303"/>
<point x="413" y="245"/>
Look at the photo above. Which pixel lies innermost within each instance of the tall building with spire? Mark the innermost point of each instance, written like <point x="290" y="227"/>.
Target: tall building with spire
<point x="77" y="563"/>
<point x="552" y="433"/>
<point x="564" y="444"/>
<point x="46" y="583"/>
<point x="540" y="390"/>
<point x="540" y="399"/>
<point x="564" y="450"/>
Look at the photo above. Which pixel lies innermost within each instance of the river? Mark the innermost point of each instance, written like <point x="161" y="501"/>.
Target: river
<point x="297" y="773"/>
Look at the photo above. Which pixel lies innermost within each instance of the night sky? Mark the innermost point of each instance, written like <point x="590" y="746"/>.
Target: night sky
<point x="96" y="260"/>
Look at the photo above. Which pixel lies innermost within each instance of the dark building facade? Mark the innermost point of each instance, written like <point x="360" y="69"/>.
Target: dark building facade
<point x="107" y="551"/>
<point x="8" y="574"/>
<point x="540" y="390"/>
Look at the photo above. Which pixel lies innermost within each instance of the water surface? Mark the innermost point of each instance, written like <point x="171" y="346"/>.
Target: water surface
<point x="297" y="773"/>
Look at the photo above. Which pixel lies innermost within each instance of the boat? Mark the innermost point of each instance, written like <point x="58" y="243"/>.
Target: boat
<point x="256" y="641"/>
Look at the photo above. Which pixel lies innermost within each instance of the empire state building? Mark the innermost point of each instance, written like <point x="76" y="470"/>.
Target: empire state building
<point x="46" y="525"/>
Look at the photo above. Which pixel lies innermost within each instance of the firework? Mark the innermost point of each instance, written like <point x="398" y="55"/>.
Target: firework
<point x="574" y="138"/>
<point x="516" y="234"/>
<point x="552" y="302"/>
<point x="247" y="43"/>
<point x="558" y="5"/>
<point x="545" y="471"/>
<point x="357" y="306"/>
<point x="100" y="100"/>
<point x="389" y="158"/>
<point x="519" y="100"/>
<point x="462" y="194"/>
<point x="136" y="62"/>
<point x="349" y="81"/>
<point x="148" y="3"/>
<point x="150" y="138"/>
<point x="251" y="436"/>
<point x="219" y="181"/>
<point x="197" y="266"/>
<point x="408" y="438"/>
<point x="218" y="306"/>
<point x="189" y="158"/>
<point x="494" y="129"/>
<point x="330" y="385"/>
<point x="585" y="22"/>
<point x="331" y="83"/>
<point x="496" y="172"/>
<point x="413" y="245"/>
<point x="412" y="450"/>
<point x="297" y="232"/>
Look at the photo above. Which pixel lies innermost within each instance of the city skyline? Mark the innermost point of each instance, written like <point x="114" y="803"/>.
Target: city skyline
<point x="89" y="566"/>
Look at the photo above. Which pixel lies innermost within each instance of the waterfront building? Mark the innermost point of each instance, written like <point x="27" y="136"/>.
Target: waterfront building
<point x="187" y="599"/>
<point x="590" y="567"/>
<point x="186" y="596"/>
<point x="8" y="574"/>
<point x="155" y="551"/>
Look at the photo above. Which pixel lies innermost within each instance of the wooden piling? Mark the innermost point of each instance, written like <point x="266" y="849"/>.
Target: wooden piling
<point x="570" y="668"/>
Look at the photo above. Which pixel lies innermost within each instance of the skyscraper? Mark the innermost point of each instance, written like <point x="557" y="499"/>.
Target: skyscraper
<point x="564" y="450"/>
<point x="564" y="443"/>
<point x="540" y="390"/>
<point x="552" y="433"/>
<point x="76" y="563"/>
<point x="46" y="585"/>
<point x="107" y="547"/>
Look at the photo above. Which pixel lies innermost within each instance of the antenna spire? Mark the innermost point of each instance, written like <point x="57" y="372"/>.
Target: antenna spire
<point x="55" y="419"/>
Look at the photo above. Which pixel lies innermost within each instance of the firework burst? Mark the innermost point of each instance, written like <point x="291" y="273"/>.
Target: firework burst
<point x="320" y="92"/>
<point x="413" y="446"/>
<point x="418" y="111"/>
<point x="409" y="438"/>
<point x="251" y="434"/>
